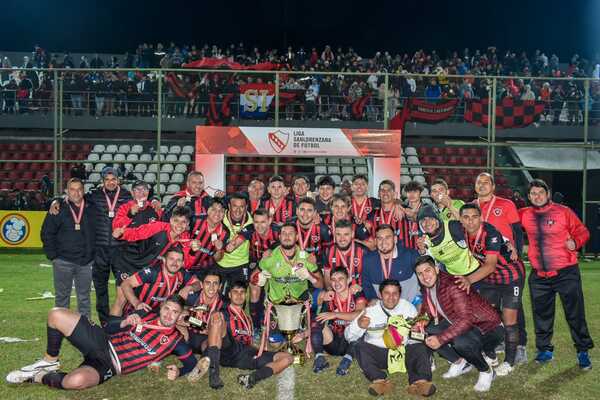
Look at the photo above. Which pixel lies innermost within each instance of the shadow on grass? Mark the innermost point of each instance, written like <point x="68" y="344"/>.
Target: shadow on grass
<point x="554" y="382"/>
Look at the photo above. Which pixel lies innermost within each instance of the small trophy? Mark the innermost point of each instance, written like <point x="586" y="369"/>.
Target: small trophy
<point x="414" y="335"/>
<point x="196" y="319"/>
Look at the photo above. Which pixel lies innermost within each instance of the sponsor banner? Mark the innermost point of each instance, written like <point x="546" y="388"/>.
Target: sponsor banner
<point x="297" y="141"/>
<point x="21" y="228"/>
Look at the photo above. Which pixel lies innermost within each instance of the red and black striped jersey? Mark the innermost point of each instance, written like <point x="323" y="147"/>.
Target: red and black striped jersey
<point x="360" y="230"/>
<point x="206" y="236"/>
<point x="324" y="210"/>
<point x="259" y="244"/>
<point x="338" y="326"/>
<point x="282" y="212"/>
<point x="198" y="205"/>
<point x="351" y="259"/>
<point x="197" y="300"/>
<point x="490" y="241"/>
<point x="239" y="325"/>
<point x="139" y="346"/>
<point x="314" y="238"/>
<point x="360" y="211"/>
<point x="156" y="284"/>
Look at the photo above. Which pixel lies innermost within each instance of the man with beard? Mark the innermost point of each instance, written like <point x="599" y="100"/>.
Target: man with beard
<point x="230" y="344"/>
<point x="194" y="197"/>
<point x="312" y="236"/>
<point x="127" y="346"/>
<point x="340" y="305"/>
<point x="500" y="280"/>
<point x="555" y="234"/>
<point x="390" y="261"/>
<point x="233" y="266"/>
<point x="344" y="253"/>
<point x="147" y="244"/>
<point x="281" y="208"/>
<point x="208" y="238"/>
<point x="106" y="202"/>
<point x="147" y="289"/>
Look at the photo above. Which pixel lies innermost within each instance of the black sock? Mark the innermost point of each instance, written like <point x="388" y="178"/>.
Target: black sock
<point x="54" y="379"/>
<point x="262" y="373"/>
<point x="256" y="312"/>
<point x="214" y="355"/>
<point x="54" y="341"/>
<point x="511" y="341"/>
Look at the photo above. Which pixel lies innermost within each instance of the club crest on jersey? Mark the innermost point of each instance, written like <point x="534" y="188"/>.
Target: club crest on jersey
<point x="368" y="210"/>
<point x="550" y="222"/>
<point x="315" y="238"/>
<point x="356" y="261"/>
<point x="497" y="212"/>
<point x="164" y="339"/>
<point x="124" y="276"/>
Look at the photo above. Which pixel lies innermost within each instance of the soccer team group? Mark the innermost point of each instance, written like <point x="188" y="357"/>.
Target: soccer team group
<point x="381" y="281"/>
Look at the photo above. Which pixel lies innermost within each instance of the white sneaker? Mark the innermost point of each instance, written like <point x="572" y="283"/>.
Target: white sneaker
<point x="492" y="362"/>
<point x="457" y="369"/>
<point x="484" y="382"/>
<point x="504" y="369"/>
<point x="42" y="364"/>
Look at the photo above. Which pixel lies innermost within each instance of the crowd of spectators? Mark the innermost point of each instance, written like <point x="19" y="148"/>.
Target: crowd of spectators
<point x="100" y="93"/>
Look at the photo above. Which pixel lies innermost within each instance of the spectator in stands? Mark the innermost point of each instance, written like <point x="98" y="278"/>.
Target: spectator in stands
<point x="433" y="91"/>
<point x="311" y="96"/>
<point x="96" y="62"/>
<point x="528" y="93"/>
<point x="557" y="101"/>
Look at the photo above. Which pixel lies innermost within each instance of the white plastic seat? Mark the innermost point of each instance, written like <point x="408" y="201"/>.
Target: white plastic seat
<point x="106" y="157"/>
<point x="152" y="168"/>
<point x="88" y="167"/>
<point x="138" y="175"/>
<point x="156" y="157"/>
<point x="93" y="157"/>
<point x="425" y="192"/>
<point x="317" y="178"/>
<point x="132" y="157"/>
<point x="411" y="151"/>
<point x="164" y="178"/>
<point x="119" y="157"/>
<point x="404" y="171"/>
<point x="172" y="188"/>
<point x="111" y="148"/>
<point x="145" y="157"/>
<point x="87" y="187"/>
<point x="171" y="158"/>
<point x="360" y="161"/>
<point x="362" y="170"/>
<point x="98" y="148"/>
<point x="337" y="179"/>
<point x="99" y="167"/>
<point x="168" y="168"/>
<point x="150" y="177"/>
<point x="333" y="161"/>
<point x="177" y="178"/>
<point x="320" y="160"/>
<point x="413" y="160"/>
<point x="137" y="149"/>
<point x="164" y="149"/>
<point x="402" y="160"/>
<point x="346" y="161"/>
<point x="158" y="189"/>
<point x="347" y="170"/>
<point x="404" y="179"/>
<point x="420" y="179"/>
<point x="185" y="158"/>
<point x="140" y="168"/>
<point x="124" y="148"/>
<point x="94" y="177"/>
<point x="166" y="199"/>
<point x="333" y="170"/>
<point x="181" y="168"/>
<point x="129" y="167"/>
<point x="320" y="169"/>
<point x="188" y="150"/>
<point x="175" y="149"/>
<point x="416" y="171"/>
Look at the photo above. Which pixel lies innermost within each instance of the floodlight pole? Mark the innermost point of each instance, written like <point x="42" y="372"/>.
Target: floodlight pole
<point x="493" y="127"/>
<point x="158" y="128"/>
<point x="60" y="132"/>
<point x="56" y="155"/>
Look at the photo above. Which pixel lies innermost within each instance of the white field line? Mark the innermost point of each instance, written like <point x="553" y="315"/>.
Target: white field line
<point x="286" y="383"/>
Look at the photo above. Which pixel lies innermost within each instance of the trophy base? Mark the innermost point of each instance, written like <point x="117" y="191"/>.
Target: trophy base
<point x="293" y="349"/>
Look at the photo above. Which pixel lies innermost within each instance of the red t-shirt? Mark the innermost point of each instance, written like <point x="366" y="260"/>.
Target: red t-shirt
<point x="501" y="213"/>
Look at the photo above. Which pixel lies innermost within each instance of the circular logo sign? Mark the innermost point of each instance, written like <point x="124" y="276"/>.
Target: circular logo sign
<point x="14" y="229"/>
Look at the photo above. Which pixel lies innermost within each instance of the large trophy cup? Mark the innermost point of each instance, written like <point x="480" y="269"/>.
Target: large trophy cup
<point x="289" y="320"/>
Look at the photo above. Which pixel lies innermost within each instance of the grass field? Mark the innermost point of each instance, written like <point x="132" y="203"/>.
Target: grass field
<point x="21" y="276"/>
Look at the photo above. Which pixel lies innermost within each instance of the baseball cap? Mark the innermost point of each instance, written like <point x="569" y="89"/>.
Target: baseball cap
<point x="109" y="170"/>
<point x="140" y="183"/>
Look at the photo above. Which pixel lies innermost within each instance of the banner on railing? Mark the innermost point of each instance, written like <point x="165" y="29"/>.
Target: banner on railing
<point x="510" y="113"/>
<point x="424" y="111"/>
<point x="256" y="99"/>
<point x="21" y="228"/>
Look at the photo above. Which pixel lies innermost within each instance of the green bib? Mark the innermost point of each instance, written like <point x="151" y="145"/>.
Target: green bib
<point x="455" y="256"/>
<point x="241" y="255"/>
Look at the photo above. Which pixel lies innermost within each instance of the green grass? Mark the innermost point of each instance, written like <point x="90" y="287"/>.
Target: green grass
<point x="22" y="277"/>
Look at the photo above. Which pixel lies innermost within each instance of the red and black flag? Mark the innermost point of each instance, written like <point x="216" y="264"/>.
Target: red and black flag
<point x="358" y="106"/>
<point x="420" y="110"/>
<point x="510" y="113"/>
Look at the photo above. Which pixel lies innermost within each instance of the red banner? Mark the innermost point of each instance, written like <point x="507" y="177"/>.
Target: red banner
<point x="216" y="63"/>
<point x="510" y="113"/>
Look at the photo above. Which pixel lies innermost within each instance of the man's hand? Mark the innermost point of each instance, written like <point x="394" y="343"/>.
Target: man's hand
<point x="419" y="326"/>
<point x="571" y="245"/>
<point x="433" y="342"/>
<point x="328" y="295"/>
<point x="262" y="278"/>
<point x="421" y="244"/>
<point x="514" y="256"/>
<point x="181" y="202"/>
<point x="219" y="194"/>
<point x="326" y="316"/>
<point x="312" y="258"/>
<point x="195" y="245"/>
<point x="399" y="211"/>
<point x="118" y="232"/>
<point x="133" y="320"/>
<point x="463" y="283"/>
<point x="266" y="254"/>
<point x="363" y="321"/>
<point x="354" y="289"/>
<point x="156" y="205"/>
<point x="134" y="208"/>
<point x="185" y="291"/>
<point x="218" y="244"/>
<point x="172" y="372"/>
<point x="181" y="320"/>
<point x="54" y="208"/>
<point x="444" y="200"/>
<point x="303" y="273"/>
<point x="230" y="247"/>
<point x="143" y="306"/>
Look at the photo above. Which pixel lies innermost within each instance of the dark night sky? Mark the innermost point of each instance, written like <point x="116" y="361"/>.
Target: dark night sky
<point x="560" y="26"/>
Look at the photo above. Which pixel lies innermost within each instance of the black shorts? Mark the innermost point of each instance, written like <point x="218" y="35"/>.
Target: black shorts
<point x="237" y="355"/>
<point x="503" y="296"/>
<point x="195" y="341"/>
<point x="338" y="347"/>
<point x="92" y="342"/>
<point x="233" y="274"/>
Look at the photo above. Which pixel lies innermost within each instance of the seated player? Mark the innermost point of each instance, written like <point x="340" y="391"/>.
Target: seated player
<point x="209" y="237"/>
<point x="339" y="307"/>
<point x="129" y="344"/>
<point x="148" y="288"/>
<point x="347" y="253"/>
<point x="230" y="344"/>
<point x="281" y="208"/>
<point x="263" y="237"/>
<point x="201" y="306"/>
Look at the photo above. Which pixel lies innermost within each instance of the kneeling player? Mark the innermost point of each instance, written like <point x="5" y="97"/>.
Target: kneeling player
<point x="130" y="345"/>
<point x="230" y="344"/>
<point x="341" y="308"/>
